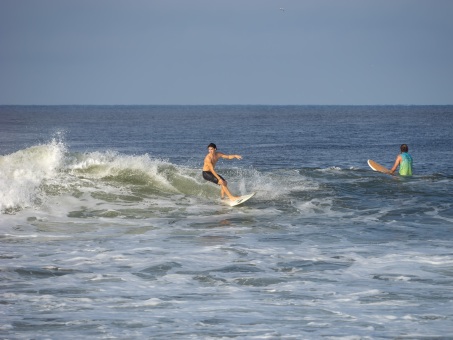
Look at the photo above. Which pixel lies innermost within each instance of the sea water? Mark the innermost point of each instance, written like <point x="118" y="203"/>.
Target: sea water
<point x="108" y="230"/>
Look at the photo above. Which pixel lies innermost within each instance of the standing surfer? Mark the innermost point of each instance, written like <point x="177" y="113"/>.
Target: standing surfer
<point x="210" y="174"/>
<point x="404" y="161"/>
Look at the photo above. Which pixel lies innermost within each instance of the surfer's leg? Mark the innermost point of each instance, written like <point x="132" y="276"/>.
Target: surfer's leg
<point x="224" y="190"/>
<point x="207" y="175"/>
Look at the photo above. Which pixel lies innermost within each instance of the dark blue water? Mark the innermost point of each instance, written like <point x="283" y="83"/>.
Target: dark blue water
<point x="268" y="136"/>
<point x="107" y="228"/>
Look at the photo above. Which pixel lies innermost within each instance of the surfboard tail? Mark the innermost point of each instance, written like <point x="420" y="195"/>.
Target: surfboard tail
<point x="378" y="167"/>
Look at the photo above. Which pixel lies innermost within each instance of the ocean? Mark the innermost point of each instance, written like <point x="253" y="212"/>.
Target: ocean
<point x="108" y="230"/>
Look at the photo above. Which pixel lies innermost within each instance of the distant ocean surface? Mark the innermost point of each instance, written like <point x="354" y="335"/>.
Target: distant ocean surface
<point x="108" y="230"/>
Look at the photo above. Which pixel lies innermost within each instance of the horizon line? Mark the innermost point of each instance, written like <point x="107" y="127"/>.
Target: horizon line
<point x="226" y="104"/>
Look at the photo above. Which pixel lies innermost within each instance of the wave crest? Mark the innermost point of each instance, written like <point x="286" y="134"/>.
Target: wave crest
<point x="23" y="172"/>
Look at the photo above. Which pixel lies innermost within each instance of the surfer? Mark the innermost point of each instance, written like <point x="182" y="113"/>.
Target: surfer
<point x="210" y="174"/>
<point x="404" y="161"/>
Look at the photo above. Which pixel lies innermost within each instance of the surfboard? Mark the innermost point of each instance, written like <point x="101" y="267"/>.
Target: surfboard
<point x="377" y="167"/>
<point x="242" y="199"/>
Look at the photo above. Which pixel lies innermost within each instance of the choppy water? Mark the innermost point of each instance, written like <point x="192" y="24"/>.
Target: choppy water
<point x="107" y="229"/>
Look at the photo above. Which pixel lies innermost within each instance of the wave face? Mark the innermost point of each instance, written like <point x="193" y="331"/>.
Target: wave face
<point x="31" y="176"/>
<point x="39" y="175"/>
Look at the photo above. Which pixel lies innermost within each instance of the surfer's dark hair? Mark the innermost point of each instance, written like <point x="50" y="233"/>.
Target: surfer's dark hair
<point x="212" y="145"/>
<point x="404" y="148"/>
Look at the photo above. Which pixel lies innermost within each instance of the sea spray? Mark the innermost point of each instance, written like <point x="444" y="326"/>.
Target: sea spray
<point x="22" y="173"/>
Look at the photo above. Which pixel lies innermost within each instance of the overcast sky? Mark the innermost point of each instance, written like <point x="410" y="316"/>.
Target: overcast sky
<point x="280" y="52"/>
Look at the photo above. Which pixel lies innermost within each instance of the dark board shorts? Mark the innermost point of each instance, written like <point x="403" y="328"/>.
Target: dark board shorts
<point x="209" y="176"/>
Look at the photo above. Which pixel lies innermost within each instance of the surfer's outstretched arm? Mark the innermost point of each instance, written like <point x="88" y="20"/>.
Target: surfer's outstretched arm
<point x="229" y="156"/>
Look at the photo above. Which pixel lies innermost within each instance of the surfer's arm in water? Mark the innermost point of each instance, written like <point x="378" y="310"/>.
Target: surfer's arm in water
<point x="397" y="163"/>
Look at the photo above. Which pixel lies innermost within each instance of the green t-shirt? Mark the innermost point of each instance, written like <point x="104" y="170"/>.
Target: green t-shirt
<point x="406" y="165"/>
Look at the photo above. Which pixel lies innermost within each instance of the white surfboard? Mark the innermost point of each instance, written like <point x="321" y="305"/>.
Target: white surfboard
<point x="242" y="199"/>
<point x="378" y="167"/>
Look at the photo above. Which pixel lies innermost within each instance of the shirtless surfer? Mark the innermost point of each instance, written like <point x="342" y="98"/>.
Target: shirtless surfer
<point x="210" y="174"/>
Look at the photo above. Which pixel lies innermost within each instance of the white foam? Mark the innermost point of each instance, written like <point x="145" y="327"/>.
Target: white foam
<point x="22" y="173"/>
<point x="275" y="185"/>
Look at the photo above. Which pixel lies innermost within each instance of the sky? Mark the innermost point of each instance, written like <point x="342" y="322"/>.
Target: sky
<point x="226" y="52"/>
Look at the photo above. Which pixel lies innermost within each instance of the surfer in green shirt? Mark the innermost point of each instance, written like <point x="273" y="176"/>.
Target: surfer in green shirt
<point x="404" y="161"/>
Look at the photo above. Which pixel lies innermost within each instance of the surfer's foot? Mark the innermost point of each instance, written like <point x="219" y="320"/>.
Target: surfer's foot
<point x="234" y="198"/>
